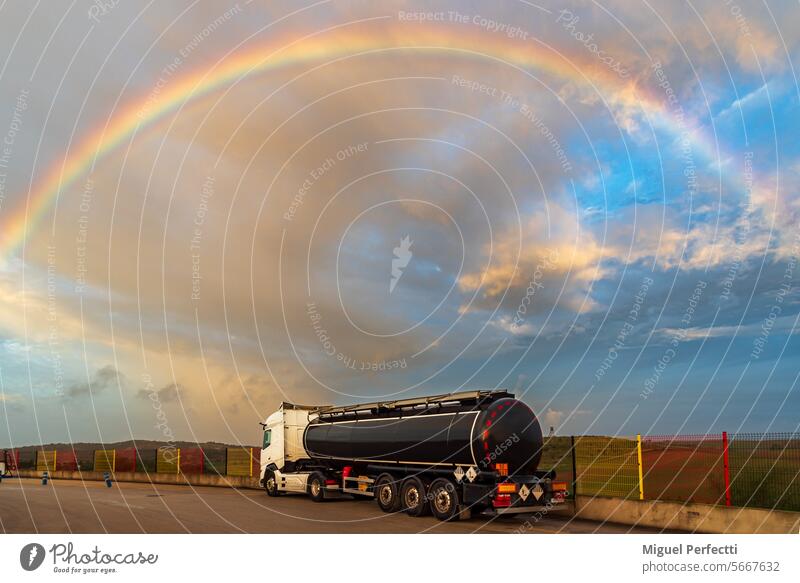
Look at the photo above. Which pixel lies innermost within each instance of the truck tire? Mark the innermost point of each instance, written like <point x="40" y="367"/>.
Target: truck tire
<point x="443" y="499"/>
<point x="271" y="484"/>
<point x="387" y="494"/>
<point x="413" y="496"/>
<point x="316" y="487"/>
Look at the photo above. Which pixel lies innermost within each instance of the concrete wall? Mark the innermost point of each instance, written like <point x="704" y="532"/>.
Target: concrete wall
<point x="687" y="516"/>
<point x="154" y="478"/>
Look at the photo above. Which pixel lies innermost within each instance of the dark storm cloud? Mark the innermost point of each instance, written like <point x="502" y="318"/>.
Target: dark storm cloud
<point x="166" y="394"/>
<point x="103" y="379"/>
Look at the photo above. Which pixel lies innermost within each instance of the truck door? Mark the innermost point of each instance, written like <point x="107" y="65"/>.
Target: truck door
<point x="272" y="446"/>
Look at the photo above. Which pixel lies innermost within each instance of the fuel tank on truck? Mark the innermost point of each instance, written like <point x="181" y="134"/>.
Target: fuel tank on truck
<point x="479" y="428"/>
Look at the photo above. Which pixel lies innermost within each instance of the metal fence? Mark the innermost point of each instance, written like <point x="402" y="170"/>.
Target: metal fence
<point x="168" y="460"/>
<point x="190" y="460"/>
<point x="125" y="460"/>
<point x="67" y="461"/>
<point x="607" y="466"/>
<point x="684" y="468"/>
<point x="46" y="460"/>
<point x="105" y="460"/>
<point x="764" y="470"/>
<point x="242" y="462"/>
<point x="234" y="461"/>
<point x="745" y="469"/>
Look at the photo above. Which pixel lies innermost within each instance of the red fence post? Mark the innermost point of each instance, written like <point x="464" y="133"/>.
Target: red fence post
<point x="726" y="468"/>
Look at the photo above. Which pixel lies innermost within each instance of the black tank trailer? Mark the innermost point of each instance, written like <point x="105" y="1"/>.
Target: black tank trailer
<point x="481" y="429"/>
<point x="451" y="455"/>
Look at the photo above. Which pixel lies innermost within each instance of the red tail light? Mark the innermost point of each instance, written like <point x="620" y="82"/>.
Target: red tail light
<point x="502" y="501"/>
<point x="559" y="491"/>
<point x="346" y="471"/>
<point x="330" y="482"/>
<point x="501" y="469"/>
<point x="506" y="488"/>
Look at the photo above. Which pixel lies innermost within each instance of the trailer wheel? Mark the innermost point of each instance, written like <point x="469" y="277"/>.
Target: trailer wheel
<point x="316" y="487"/>
<point x="271" y="484"/>
<point x="387" y="493"/>
<point x="414" y="497"/>
<point x="444" y="499"/>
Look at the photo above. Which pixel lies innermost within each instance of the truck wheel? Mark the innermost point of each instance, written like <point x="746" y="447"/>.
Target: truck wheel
<point x="413" y="495"/>
<point x="316" y="487"/>
<point x="386" y="493"/>
<point x="271" y="484"/>
<point x="444" y="499"/>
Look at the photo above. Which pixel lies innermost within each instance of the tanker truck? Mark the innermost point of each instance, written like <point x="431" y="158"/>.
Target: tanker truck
<point x="453" y="455"/>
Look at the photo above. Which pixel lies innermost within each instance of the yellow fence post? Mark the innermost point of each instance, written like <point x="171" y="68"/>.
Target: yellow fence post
<point x="114" y="460"/>
<point x="178" y="465"/>
<point x="251" y="462"/>
<point x="639" y="458"/>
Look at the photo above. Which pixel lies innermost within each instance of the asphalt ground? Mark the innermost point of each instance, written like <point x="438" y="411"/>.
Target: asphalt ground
<point x="73" y="506"/>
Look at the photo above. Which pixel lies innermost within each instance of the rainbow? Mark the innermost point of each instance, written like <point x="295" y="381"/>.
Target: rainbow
<point x="331" y="44"/>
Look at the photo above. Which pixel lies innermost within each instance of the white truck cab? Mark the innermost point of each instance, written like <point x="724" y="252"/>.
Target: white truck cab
<point x="282" y="447"/>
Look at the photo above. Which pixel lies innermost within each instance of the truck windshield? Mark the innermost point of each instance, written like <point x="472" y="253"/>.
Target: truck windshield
<point x="267" y="436"/>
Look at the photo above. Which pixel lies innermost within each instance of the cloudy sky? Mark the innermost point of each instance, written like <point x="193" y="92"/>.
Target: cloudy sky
<point x="207" y="208"/>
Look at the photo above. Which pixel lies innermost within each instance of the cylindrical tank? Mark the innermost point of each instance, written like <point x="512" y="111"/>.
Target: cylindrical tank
<point x="504" y="431"/>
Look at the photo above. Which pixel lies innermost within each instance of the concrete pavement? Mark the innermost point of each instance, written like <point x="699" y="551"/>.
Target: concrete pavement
<point x="72" y="506"/>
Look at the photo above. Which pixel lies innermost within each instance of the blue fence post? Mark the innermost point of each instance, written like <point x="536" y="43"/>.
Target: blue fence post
<point x="107" y="477"/>
<point x="45" y="476"/>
